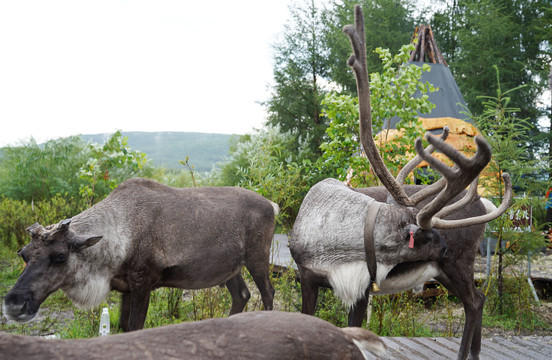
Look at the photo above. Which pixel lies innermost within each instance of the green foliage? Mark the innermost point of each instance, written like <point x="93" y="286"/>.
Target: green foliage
<point x="331" y="309"/>
<point x="287" y="295"/>
<point x="18" y="215"/>
<point x="171" y="177"/>
<point x="109" y="165"/>
<point x="33" y="172"/>
<point x="342" y="155"/>
<point x="508" y="137"/>
<point x="86" y="323"/>
<point x="388" y="24"/>
<point x="312" y="56"/>
<point x="510" y="34"/>
<point x="515" y="309"/>
<point x="298" y="71"/>
<point x="398" y="315"/>
<point x="262" y="162"/>
<point x="397" y="92"/>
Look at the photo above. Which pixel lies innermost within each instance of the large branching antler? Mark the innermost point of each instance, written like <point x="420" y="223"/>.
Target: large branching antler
<point x="455" y="179"/>
<point x="412" y="164"/>
<point x="358" y="62"/>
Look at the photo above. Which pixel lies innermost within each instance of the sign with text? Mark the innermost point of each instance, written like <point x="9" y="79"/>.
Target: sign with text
<point x="522" y="218"/>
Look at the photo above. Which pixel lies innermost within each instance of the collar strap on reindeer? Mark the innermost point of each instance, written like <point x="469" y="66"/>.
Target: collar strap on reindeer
<point x="369" y="246"/>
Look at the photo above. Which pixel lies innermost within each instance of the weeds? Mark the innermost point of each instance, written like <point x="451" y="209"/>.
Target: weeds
<point x="518" y="312"/>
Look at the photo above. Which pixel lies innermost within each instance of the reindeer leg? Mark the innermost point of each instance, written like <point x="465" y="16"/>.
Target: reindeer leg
<point x="473" y="301"/>
<point x="476" y="340"/>
<point x="139" y="303"/>
<point x="124" y="311"/>
<point x="309" y="292"/>
<point x="358" y="310"/>
<point x="239" y="292"/>
<point x="260" y="274"/>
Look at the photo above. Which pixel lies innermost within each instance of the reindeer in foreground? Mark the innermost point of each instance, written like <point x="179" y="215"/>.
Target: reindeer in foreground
<point x="252" y="335"/>
<point x="143" y="236"/>
<point x="349" y="239"/>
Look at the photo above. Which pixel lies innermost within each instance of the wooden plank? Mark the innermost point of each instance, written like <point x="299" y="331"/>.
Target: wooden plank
<point x="544" y="342"/>
<point x="522" y="349"/>
<point x="395" y="348"/>
<point x="416" y="351"/>
<point x="445" y="350"/>
<point x="392" y="350"/>
<point x="543" y="345"/>
<point x="500" y="351"/>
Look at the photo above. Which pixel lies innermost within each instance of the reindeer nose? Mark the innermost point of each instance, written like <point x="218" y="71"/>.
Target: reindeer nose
<point x="16" y="306"/>
<point x="17" y="298"/>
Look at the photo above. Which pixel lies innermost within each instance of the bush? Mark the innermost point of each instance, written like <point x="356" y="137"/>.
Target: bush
<point x="17" y="215"/>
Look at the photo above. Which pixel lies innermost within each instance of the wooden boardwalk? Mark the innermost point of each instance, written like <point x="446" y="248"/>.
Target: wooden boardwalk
<point x="496" y="348"/>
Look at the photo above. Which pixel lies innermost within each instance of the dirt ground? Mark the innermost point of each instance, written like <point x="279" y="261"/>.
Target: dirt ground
<point x="541" y="265"/>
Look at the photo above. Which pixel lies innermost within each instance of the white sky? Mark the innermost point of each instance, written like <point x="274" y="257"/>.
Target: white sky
<point x="83" y="67"/>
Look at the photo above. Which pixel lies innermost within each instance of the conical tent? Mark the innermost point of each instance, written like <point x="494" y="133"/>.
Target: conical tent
<point x="450" y="106"/>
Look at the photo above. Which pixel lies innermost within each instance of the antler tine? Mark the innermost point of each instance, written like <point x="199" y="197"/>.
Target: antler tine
<point x="506" y="202"/>
<point x="411" y="165"/>
<point x="457" y="177"/>
<point x="358" y="62"/>
<point x="470" y="197"/>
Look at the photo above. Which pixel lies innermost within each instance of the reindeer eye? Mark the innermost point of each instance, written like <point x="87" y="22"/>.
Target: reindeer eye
<point x="58" y="258"/>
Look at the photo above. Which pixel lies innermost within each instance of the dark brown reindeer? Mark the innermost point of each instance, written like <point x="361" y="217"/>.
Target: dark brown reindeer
<point x="347" y="238"/>
<point x="251" y="335"/>
<point x="146" y="235"/>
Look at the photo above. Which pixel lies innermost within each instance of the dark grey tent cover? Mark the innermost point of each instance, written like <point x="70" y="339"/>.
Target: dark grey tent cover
<point x="448" y="100"/>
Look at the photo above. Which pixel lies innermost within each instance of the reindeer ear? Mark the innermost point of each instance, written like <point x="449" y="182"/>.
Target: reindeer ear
<point x="64" y="225"/>
<point x="82" y="242"/>
<point x="35" y="229"/>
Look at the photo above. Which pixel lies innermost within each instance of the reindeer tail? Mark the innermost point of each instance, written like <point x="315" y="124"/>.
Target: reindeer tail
<point x="276" y="207"/>
<point x="366" y="340"/>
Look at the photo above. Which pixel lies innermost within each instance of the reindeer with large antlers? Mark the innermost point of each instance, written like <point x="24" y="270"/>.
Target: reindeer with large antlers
<point x="395" y="237"/>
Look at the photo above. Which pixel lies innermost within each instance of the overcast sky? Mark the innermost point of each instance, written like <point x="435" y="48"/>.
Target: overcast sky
<point x="81" y="67"/>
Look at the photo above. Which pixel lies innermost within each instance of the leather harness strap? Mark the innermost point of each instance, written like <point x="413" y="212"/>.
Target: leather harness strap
<point x="369" y="248"/>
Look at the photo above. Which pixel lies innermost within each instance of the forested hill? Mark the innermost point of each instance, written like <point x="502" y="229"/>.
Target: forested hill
<point x="167" y="148"/>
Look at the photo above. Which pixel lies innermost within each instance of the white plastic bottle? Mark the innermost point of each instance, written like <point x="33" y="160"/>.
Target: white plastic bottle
<point x="104" y="322"/>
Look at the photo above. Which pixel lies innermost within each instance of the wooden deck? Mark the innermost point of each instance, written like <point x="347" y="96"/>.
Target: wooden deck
<point x="496" y="348"/>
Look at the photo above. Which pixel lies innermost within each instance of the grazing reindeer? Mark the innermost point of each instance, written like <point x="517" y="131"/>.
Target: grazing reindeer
<point x="252" y="335"/>
<point x="408" y="239"/>
<point x="143" y="236"/>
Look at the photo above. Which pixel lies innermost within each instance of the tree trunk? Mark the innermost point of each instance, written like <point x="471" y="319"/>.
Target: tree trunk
<point x="500" y="280"/>
<point x="549" y="210"/>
